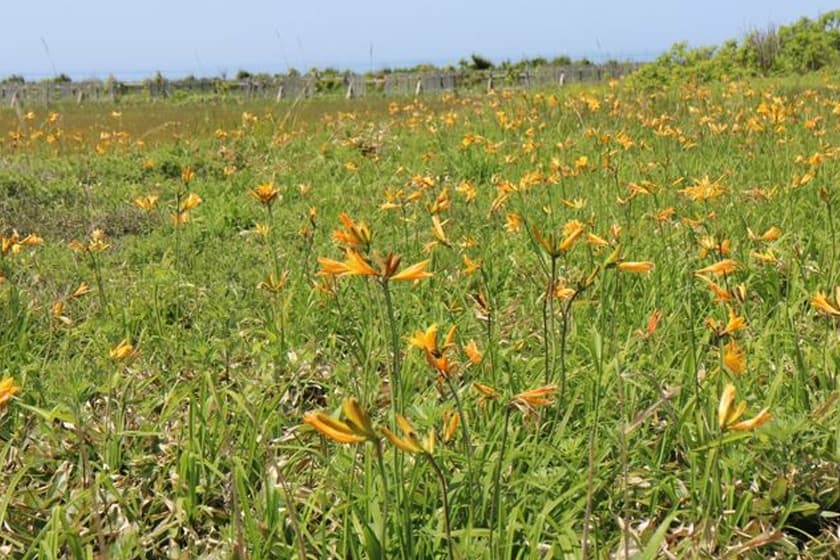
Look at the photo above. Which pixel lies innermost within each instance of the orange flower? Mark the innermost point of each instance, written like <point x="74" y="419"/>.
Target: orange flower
<point x="356" y="429"/>
<point x="32" y="239"/>
<point x="410" y="443"/>
<point x="571" y="231"/>
<point x="556" y="247"/>
<point x="487" y="391"/>
<point x="528" y="401"/>
<point x="57" y="312"/>
<point x="437" y="230"/>
<point x="425" y="340"/>
<point x="640" y="267"/>
<point x="413" y="272"/>
<point x="265" y="194"/>
<point x="358" y="419"/>
<point x="734" y="358"/>
<point x="729" y="413"/>
<point x="83" y="289"/>
<point x="771" y="234"/>
<point x="721" y="294"/>
<point x="330" y="267"/>
<point x="274" y="283"/>
<point x="726" y="413"/>
<point x="726" y="266"/>
<point x="180" y="218"/>
<point x="473" y="353"/>
<point x="8" y="389"/>
<point x="762" y="417"/>
<point x="709" y="244"/>
<point x="470" y="265"/>
<point x="513" y="222"/>
<point x="334" y="429"/>
<point x="356" y="235"/>
<point x="190" y="202"/>
<point x="123" y="351"/>
<point x="704" y="189"/>
<point x="596" y="240"/>
<point x="147" y="202"/>
<point x="98" y="241"/>
<point x="653" y="322"/>
<point x="435" y="355"/>
<point x="187" y="175"/>
<point x="563" y="292"/>
<point x="766" y="257"/>
<point x="735" y="323"/>
<point x="450" y="424"/>
<point x="821" y="304"/>
<point x="357" y="265"/>
<point x="262" y="230"/>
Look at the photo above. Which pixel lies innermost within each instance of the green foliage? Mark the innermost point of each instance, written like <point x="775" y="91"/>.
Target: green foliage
<point x="804" y="46"/>
<point x="13" y="79"/>
<point x="478" y="62"/>
<point x="59" y="79"/>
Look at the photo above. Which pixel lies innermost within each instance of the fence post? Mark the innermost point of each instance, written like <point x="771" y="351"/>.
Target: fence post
<point x="418" y="89"/>
<point x="349" y="94"/>
<point x="279" y="93"/>
<point x="490" y="84"/>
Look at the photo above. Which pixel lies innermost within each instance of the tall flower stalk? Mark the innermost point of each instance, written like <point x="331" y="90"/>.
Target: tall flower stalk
<point x="355" y="428"/>
<point x="528" y="402"/>
<point x="266" y="194"/>
<point x="386" y="271"/>
<point x="96" y="243"/>
<point x="411" y="443"/>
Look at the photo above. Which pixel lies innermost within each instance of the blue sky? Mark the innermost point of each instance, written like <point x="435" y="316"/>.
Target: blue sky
<point x="95" y="38"/>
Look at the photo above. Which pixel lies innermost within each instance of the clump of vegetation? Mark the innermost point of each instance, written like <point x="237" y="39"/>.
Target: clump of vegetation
<point x="804" y="46"/>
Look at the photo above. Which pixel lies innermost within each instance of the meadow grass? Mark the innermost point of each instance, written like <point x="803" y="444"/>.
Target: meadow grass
<point x="184" y="284"/>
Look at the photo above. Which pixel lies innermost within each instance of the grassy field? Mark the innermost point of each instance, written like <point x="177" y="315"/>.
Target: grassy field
<point x="611" y="316"/>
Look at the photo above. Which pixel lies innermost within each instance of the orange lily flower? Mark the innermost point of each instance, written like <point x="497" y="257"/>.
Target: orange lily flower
<point x="147" y="202"/>
<point x="123" y="351"/>
<point x="8" y="389"/>
<point x="821" y="304"/>
<point x="356" y="429"/>
<point x="473" y="353"/>
<point x="410" y="443"/>
<point x="726" y="266"/>
<point x="734" y="358"/>
<point x="356" y="235"/>
<point x="191" y="201"/>
<point x="728" y="413"/>
<point x="487" y="392"/>
<point x="528" y="401"/>
<point x="640" y="267"/>
<point x="451" y="421"/>
<point x="265" y="193"/>
<point x="721" y="294"/>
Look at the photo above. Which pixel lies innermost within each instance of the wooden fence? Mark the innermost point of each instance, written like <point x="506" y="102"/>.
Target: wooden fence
<point x="309" y="85"/>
